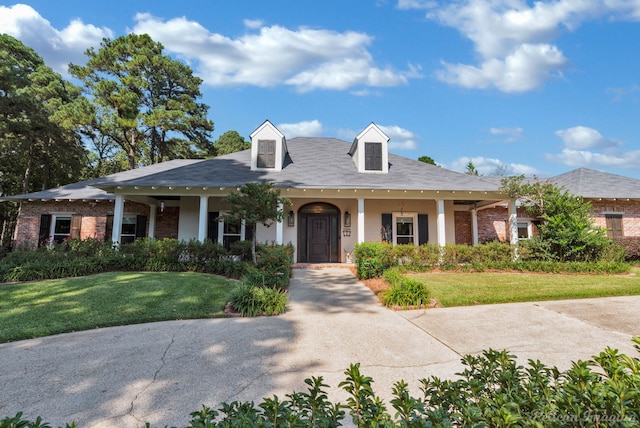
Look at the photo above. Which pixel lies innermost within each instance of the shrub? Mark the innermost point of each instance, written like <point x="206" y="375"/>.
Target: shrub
<point x="251" y="301"/>
<point x="403" y="292"/>
<point x="274" y="265"/>
<point x="631" y="245"/>
<point x="372" y="259"/>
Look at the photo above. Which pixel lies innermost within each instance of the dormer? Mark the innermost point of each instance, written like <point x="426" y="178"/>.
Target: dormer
<point x="370" y="151"/>
<point x="268" y="148"/>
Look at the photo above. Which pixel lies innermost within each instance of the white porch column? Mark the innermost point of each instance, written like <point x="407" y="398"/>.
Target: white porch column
<point x="279" y="226"/>
<point x="474" y="226"/>
<point x="152" y="221"/>
<point x="202" y="218"/>
<point x="441" y="231"/>
<point x="118" y="212"/>
<point x="360" y="220"/>
<point x="513" y="222"/>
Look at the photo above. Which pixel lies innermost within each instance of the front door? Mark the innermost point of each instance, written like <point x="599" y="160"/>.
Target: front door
<point x="319" y="238"/>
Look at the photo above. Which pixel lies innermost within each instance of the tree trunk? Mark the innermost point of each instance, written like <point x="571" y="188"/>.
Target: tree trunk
<point x="132" y="150"/>
<point x="27" y="172"/>
<point x="253" y="247"/>
<point x="47" y="165"/>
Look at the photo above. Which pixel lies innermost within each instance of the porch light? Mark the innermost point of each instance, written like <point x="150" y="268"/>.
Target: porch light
<point x="347" y="219"/>
<point x="291" y="220"/>
<point x="161" y="206"/>
<point x="346" y="232"/>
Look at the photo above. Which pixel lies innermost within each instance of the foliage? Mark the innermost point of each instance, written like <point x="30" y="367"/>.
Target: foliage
<point x="492" y="390"/>
<point x="403" y="292"/>
<point x="230" y="142"/>
<point x="372" y="258"/>
<point x="471" y="169"/>
<point x="427" y="159"/>
<point x="143" y="101"/>
<point x="251" y="300"/>
<point x="631" y="246"/>
<point x="255" y="203"/>
<point x="274" y="264"/>
<point x="567" y="228"/>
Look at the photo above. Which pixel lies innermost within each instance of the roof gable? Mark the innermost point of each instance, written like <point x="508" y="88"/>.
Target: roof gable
<point x="370" y="150"/>
<point x="590" y="183"/>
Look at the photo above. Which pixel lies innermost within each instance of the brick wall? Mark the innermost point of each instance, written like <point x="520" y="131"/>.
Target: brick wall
<point x="630" y="211"/>
<point x="463" y="227"/>
<point x="167" y="223"/>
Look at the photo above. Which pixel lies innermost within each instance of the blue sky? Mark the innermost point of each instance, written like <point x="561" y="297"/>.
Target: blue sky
<point x="534" y="88"/>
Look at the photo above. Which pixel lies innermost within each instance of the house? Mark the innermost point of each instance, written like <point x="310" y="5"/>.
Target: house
<point x="342" y="193"/>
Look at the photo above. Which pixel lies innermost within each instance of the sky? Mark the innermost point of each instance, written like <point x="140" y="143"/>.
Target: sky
<point x="521" y="87"/>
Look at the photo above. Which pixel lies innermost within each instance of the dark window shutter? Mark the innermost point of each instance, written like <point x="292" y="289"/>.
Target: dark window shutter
<point x="45" y="229"/>
<point x="212" y="226"/>
<point x="614" y="225"/>
<point x="423" y="229"/>
<point x="266" y="153"/>
<point x="373" y="156"/>
<point x="141" y="226"/>
<point x="386" y="229"/>
<point x="108" y="228"/>
<point x="76" y="224"/>
<point x="248" y="231"/>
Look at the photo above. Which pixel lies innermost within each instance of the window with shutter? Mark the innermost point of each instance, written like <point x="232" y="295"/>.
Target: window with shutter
<point x="614" y="225"/>
<point x="266" y="153"/>
<point x="373" y="156"/>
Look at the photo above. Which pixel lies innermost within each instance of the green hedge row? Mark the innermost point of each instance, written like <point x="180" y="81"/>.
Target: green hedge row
<point x="374" y="258"/>
<point x="491" y="391"/>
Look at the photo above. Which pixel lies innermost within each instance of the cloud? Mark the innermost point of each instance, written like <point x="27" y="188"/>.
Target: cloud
<point x="586" y="147"/>
<point x="304" y="58"/>
<point x="513" y="37"/>
<point x="512" y="134"/>
<point x="58" y="48"/>
<point x="253" y="24"/>
<point x="489" y="166"/>
<point x="309" y="128"/>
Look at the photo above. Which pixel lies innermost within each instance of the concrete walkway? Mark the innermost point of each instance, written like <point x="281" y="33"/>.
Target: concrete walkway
<point x="160" y="372"/>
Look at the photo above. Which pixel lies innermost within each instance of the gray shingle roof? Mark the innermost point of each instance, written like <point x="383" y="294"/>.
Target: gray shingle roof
<point x="590" y="183"/>
<point x="311" y="163"/>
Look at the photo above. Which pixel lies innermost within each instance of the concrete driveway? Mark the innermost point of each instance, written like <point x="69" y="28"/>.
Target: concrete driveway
<point x="160" y="372"/>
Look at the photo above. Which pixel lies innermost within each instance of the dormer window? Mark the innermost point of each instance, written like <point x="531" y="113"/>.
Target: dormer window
<point x="266" y="153"/>
<point x="373" y="156"/>
<point x="370" y="151"/>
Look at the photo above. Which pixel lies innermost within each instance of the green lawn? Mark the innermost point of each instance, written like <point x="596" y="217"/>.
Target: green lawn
<point x="464" y="289"/>
<point x="43" y="308"/>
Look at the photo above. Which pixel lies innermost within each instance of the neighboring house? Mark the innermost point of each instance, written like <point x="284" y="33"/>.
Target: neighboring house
<point x="341" y="193"/>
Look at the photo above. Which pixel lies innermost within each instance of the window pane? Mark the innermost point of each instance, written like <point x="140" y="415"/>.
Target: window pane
<point x="128" y="229"/>
<point x="523" y="230"/>
<point x="405" y="239"/>
<point x="404" y="226"/>
<point x="232" y="228"/>
<point x="63" y="225"/>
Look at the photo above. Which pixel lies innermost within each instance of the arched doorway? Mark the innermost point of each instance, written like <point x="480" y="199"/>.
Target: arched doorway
<point x="318" y="233"/>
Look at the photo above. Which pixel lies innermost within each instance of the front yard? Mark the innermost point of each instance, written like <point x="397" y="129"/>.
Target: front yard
<point x="43" y="308"/>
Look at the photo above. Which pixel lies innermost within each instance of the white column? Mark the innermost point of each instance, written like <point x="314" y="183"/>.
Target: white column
<point x="202" y="218"/>
<point x="152" y="221"/>
<point x="513" y="222"/>
<point x="279" y="226"/>
<point x="441" y="231"/>
<point x="474" y="226"/>
<point x="360" y="220"/>
<point x="118" y="212"/>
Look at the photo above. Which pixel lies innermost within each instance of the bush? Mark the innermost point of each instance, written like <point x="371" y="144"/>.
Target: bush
<point x="403" y="292"/>
<point x="274" y="266"/>
<point x="493" y="390"/>
<point x="372" y="259"/>
<point x="251" y="301"/>
<point x="631" y="245"/>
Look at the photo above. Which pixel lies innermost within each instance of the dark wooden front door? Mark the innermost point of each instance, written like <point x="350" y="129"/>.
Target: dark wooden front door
<point x="319" y="238"/>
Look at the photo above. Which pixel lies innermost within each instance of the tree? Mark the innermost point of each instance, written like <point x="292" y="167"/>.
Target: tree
<point x="427" y="159"/>
<point x="567" y="229"/>
<point x="146" y="102"/>
<point x="230" y="142"/>
<point x="255" y="203"/>
<point x="471" y="169"/>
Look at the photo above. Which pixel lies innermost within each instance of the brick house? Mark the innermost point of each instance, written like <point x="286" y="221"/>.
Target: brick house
<point x="341" y="193"/>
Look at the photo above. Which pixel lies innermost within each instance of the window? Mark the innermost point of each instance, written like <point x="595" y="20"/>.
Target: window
<point x="373" y="156"/>
<point x="404" y="228"/>
<point x="133" y="226"/>
<point x="266" y="153"/>
<point x="232" y="232"/>
<point x="614" y="225"/>
<point x="128" y="233"/>
<point x="226" y="233"/>
<point x="523" y="230"/>
<point x="60" y="228"/>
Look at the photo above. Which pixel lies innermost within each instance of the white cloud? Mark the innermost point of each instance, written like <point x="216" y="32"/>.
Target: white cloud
<point x="304" y="58"/>
<point x="583" y="137"/>
<point x="58" y="48"/>
<point x="488" y="166"/>
<point x="580" y="145"/>
<point x="309" y="128"/>
<point x="399" y="138"/>
<point x="254" y="24"/>
<point x="511" y="134"/>
<point x="513" y="37"/>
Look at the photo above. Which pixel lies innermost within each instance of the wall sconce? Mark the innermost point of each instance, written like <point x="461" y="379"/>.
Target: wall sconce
<point x="346" y="232"/>
<point x="161" y="206"/>
<point x="347" y="219"/>
<point x="291" y="220"/>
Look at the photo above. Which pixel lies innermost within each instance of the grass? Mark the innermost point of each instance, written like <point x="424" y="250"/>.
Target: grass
<point x="43" y="308"/>
<point x="465" y="289"/>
